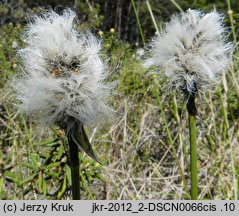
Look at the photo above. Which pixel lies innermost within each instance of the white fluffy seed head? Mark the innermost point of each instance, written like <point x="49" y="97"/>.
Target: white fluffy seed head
<point x="191" y="50"/>
<point x="64" y="74"/>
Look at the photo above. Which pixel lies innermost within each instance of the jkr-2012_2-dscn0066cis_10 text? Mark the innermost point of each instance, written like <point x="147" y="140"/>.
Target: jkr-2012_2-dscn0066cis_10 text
<point x="161" y="207"/>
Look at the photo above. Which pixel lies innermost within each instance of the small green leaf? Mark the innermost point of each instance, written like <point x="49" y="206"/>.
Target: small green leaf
<point x="39" y="183"/>
<point x="44" y="187"/>
<point x="13" y="176"/>
<point x="60" y="152"/>
<point x="88" y="176"/>
<point x="55" y="164"/>
<point x="100" y="177"/>
<point x="48" y="142"/>
<point x="1" y="184"/>
<point x="68" y="174"/>
<point x="30" y="166"/>
<point x="35" y="159"/>
<point x="53" y="174"/>
<point x="29" y="179"/>
<point x="63" y="189"/>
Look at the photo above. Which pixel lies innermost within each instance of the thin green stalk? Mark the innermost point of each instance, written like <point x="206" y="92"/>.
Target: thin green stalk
<point x="179" y="131"/>
<point x="234" y="172"/>
<point x="232" y="22"/>
<point x="228" y="141"/>
<point x="193" y="156"/>
<point x="75" y="169"/>
<point x="192" y="112"/>
<point x="171" y="142"/>
<point x="76" y="5"/>
<point x="138" y="22"/>
<point x="152" y="16"/>
<point x="177" y="5"/>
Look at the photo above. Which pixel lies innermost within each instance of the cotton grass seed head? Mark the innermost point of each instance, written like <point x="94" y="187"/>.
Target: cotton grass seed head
<point x="192" y="50"/>
<point x="64" y="75"/>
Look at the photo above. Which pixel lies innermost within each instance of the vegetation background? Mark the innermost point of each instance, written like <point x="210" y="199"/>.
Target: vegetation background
<point x="144" y="148"/>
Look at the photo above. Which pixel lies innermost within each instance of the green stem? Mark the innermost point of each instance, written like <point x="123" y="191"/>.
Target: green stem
<point x="193" y="156"/>
<point x="232" y="22"/>
<point x="152" y="16"/>
<point x="75" y="169"/>
<point x="171" y="142"/>
<point x="138" y="22"/>
<point x="228" y="140"/>
<point x="177" y="5"/>
<point x="192" y="112"/>
<point x="77" y="4"/>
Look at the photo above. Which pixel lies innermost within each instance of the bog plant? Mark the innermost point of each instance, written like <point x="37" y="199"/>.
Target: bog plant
<point x="63" y="81"/>
<point x="192" y="53"/>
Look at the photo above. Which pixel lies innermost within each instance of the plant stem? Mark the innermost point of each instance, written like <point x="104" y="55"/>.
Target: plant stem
<point x="232" y="22"/>
<point x="75" y="169"/>
<point x="171" y="142"/>
<point x="228" y="140"/>
<point x="192" y="112"/>
<point x="152" y="16"/>
<point x="138" y="22"/>
<point x="76" y="6"/>
<point x="177" y="5"/>
<point x="193" y="156"/>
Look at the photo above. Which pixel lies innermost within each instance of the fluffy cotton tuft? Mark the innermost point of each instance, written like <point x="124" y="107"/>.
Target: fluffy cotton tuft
<point x="64" y="74"/>
<point x="192" y="50"/>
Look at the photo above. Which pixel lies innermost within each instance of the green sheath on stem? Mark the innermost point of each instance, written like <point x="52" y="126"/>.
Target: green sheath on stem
<point x="75" y="169"/>
<point x="192" y="112"/>
<point x="193" y="157"/>
<point x="77" y="139"/>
